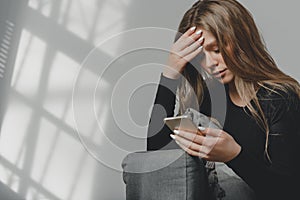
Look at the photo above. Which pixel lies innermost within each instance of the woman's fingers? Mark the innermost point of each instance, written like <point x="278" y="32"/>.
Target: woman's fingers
<point x="187" y="34"/>
<point x="182" y="52"/>
<point x="189" y="151"/>
<point x="187" y="143"/>
<point x="211" y="132"/>
<point x="217" y="145"/>
<point x="202" y="142"/>
<point x="190" y="49"/>
<point x="193" y="54"/>
<point x="186" y="41"/>
<point x="190" y="140"/>
<point x="190" y="136"/>
<point x="190" y="148"/>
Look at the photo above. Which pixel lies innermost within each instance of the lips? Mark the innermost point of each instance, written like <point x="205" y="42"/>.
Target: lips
<point x="219" y="74"/>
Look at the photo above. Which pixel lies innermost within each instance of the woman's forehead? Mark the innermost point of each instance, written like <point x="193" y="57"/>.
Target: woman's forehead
<point x="209" y="39"/>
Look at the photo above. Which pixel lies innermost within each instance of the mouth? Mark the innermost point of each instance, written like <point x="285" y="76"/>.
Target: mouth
<point x="219" y="74"/>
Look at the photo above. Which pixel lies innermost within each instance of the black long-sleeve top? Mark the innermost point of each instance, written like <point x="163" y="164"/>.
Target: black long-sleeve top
<point x="276" y="178"/>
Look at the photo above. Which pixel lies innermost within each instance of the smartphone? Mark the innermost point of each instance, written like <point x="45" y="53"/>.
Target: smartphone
<point x="181" y="122"/>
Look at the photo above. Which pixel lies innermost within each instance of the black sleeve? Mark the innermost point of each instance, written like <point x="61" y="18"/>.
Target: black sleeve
<point x="164" y="105"/>
<point x="276" y="179"/>
<point x="158" y="136"/>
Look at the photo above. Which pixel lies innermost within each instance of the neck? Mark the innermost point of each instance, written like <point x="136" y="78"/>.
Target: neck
<point x="234" y="96"/>
<point x="232" y="89"/>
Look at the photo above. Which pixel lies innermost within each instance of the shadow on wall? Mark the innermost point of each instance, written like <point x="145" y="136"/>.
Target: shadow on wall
<point x="9" y="41"/>
<point x="125" y="67"/>
<point x="60" y="171"/>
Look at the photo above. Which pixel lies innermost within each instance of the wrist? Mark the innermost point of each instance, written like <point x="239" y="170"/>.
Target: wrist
<point x="173" y="75"/>
<point x="235" y="152"/>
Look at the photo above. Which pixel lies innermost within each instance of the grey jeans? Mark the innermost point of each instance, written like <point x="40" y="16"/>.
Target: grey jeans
<point x="175" y="175"/>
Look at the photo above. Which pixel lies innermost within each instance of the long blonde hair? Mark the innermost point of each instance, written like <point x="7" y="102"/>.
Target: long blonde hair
<point x="244" y="53"/>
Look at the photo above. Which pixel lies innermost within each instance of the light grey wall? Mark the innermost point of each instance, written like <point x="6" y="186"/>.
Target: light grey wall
<point x="278" y="22"/>
<point x="84" y="80"/>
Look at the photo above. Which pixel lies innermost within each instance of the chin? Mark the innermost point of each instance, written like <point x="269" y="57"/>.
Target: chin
<point x="226" y="79"/>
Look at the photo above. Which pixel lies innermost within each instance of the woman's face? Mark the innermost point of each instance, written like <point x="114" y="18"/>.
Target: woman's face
<point x="212" y="60"/>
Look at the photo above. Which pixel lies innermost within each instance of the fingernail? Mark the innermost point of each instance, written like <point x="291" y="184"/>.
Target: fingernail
<point x="193" y="28"/>
<point x="201" y="128"/>
<point x="200" y="48"/>
<point x="176" y="132"/>
<point x="172" y="136"/>
<point x="199" y="32"/>
<point x="201" y="39"/>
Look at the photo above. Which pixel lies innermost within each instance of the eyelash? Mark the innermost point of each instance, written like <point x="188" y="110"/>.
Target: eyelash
<point x="217" y="51"/>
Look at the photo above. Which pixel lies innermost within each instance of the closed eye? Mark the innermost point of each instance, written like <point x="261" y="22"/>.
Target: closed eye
<point x="217" y="51"/>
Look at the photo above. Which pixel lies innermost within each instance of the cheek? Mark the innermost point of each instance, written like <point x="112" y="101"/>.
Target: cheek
<point x="220" y="59"/>
<point x="202" y="64"/>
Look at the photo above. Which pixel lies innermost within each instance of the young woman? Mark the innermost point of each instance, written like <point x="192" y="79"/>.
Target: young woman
<point x="260" y="139"/>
